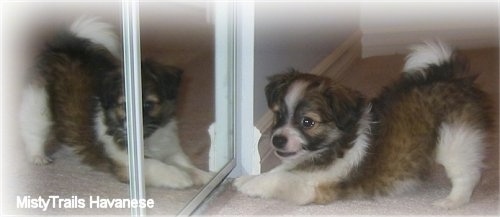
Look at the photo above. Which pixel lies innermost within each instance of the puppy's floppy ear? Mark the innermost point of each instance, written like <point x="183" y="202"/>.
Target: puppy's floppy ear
<point x="110" y="89"/>
<point x="171" y="80"/>
<point x="346" y="106"/>
<point x="278" y="85"/>
<point x="168" y="77"/>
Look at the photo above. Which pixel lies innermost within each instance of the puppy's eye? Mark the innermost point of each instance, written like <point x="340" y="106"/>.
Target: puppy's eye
<point x="307" y="122"/>
<point x="147" y="105"/>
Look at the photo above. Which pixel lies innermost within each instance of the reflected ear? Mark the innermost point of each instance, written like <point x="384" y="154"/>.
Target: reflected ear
<point x="110" y="89"/>
<point x="171" y="81"/>
<point x="346" y="106"/>
<point x="168" y="77"/>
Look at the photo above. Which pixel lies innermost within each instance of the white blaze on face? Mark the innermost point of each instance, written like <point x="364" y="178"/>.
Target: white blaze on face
<point x="294" y="137"/>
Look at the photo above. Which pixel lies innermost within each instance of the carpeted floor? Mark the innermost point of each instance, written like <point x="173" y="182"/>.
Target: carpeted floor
<point x="368" y="76"/>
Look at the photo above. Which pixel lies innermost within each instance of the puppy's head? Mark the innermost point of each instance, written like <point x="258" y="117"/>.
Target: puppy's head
<point x="311" y="113"/>
<point x="160" y="84"/>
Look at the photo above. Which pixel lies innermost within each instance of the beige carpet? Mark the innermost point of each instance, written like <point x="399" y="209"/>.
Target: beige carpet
<point x="368" y="76"/>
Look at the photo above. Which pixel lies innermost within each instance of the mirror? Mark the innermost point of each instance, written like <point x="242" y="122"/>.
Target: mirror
<point x="176" y="34"/>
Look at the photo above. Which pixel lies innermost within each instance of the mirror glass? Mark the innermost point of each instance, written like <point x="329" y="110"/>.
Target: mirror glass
<point x="175" y="36"/>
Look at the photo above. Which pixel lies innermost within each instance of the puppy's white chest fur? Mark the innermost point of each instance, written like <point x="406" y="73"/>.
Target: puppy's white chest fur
<point x="163" y="143"/>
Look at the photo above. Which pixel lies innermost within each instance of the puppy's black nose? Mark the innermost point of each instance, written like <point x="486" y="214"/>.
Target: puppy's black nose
<point x="279" y="141"/>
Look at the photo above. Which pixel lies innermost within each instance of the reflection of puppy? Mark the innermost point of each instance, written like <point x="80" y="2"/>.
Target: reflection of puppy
<point x="77" y="100"/>
<point x="336" y="145"/>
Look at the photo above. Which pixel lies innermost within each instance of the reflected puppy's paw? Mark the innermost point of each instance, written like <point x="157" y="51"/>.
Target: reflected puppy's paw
<point x="159" y="174"/>
<point x="177" y="179"/>
<point x="40" y="160"/>
<point x="201" y="177"/>
<point x="448" y="203"/>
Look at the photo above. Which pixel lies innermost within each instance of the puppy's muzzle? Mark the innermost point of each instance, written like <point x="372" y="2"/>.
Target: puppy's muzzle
<point x="280" y="144"/>
<point x="279" y="141"/>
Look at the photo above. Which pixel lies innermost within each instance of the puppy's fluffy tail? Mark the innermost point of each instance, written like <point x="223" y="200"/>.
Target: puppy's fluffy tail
<point x="89" y="42"/>
<point x="98" y="32"/>
<point x="435" y="60"/>
<point x="429" y="53"/>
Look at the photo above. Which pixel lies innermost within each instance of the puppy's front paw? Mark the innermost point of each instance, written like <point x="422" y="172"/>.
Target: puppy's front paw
<point x="283" y="186"/>
<point x="240" y="181"/>
<point x="40" y="159"/>
<point x="256" y="186"/>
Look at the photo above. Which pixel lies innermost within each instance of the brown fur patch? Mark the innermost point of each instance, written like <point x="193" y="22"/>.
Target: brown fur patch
<point x="325" y="193"/>
<point x="405" y="132"/>
<point x="72" y="104"/>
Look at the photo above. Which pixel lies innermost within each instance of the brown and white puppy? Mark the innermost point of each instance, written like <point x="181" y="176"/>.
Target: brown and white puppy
<point x="335" y="144"/>
<point x="76" y="99"/>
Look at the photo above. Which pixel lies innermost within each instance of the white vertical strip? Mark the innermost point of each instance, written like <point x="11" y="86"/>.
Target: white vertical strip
<point x="221" y="156"/>
<point x="2" y="101"/>
<point x="219" y="151"/>
<point x="246" y="138"/>
<point x="133" y="96"/>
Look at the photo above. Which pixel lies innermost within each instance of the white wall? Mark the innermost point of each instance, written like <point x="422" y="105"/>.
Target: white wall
<point x="389" y="28"/>
<point x="300" y="35"/>
<point x="297" y="35"/>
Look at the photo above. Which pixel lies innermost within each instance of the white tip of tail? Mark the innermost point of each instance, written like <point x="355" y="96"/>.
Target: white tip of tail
<point x="426" y="54"/>
<point x="98" y="32"/>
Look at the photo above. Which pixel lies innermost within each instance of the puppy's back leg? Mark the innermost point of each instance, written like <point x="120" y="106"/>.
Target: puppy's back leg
<point x="460" y="151"/>
<point x="36" y="124"/>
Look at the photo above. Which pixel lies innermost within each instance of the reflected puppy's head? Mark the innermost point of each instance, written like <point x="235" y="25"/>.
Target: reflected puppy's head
<point x="311" y="113"/>
<point x="160" y="84"/>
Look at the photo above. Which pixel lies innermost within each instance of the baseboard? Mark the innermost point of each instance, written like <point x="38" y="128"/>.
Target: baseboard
<point x="341" y="58"/>
<point x="388" y="43"/>
<point x="332" y="66"/>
